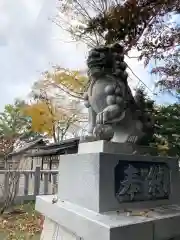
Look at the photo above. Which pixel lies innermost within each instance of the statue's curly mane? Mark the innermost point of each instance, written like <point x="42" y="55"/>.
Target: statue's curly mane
<point x="107" y="60"/>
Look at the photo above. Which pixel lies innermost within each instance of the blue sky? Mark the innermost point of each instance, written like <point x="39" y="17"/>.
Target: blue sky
<point x="30" y="43"/>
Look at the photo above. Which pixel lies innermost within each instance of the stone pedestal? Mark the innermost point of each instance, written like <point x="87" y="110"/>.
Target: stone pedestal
<point x="104" y="194"/>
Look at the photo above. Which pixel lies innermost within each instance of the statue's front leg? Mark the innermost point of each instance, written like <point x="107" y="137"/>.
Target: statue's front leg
<point x="96" y="131"/>
<point x="91" y="120"/>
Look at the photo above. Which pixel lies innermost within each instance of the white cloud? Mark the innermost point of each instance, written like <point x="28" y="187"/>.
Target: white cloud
<point x="28" y="46"/>
<point x="138" y="73"/>
<point x="30" y="43"/>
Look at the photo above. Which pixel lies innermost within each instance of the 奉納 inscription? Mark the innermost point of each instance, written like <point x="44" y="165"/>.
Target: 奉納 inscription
<point x="141" y="181"/>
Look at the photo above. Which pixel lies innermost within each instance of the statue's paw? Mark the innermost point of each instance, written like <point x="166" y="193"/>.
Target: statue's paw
<point x="102" y="117"/>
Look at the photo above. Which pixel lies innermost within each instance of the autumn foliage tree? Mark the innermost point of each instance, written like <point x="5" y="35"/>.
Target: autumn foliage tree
<point x="47" y="119"/>
<point x="6" y="145"/>
<point x="147" y="25"/>
<point x="69" y="81"/>
<point x="56" y="105"/>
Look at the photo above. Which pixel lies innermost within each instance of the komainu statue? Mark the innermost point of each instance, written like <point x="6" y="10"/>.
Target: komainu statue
<point x="114" y="114"/>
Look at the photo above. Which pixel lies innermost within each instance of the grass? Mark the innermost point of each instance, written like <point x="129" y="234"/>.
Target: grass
<point x="20" y="224"/>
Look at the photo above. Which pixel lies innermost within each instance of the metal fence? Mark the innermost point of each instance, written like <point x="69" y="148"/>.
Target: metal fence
<point x="30" y="183"/>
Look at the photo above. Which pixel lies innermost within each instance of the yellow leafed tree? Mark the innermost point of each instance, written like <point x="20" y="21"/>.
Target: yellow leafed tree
<point x="53" y="112"/>
<point x="42" y="118"/>
<point x="49" y="120"/>
<point x="72" y="82"/>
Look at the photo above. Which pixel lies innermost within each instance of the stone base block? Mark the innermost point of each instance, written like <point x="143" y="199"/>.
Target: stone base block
<point x="115" y="147"/>
<point x="104" y="182"/>
<point x="52" y="230"/>
<point x="67" y="221"/>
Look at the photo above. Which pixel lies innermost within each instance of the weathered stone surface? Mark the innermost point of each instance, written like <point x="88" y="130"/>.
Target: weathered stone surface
<point x="52" y="230"/>
<point x="150" y="224"/>
<point x="109" y="99"/>
<point x="104" y="176"/>
<point x="89" y="206"/>
<point x="115" y="147"/>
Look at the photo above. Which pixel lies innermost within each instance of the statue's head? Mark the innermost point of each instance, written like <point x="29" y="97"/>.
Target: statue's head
<point x="107" y="60"/>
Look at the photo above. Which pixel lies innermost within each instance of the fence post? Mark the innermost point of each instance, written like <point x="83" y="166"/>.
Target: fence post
<point x="54" y="188"/>
<point x="17" y="180"/>
<point x="46" y="183"/>
<point x="26" y="183"/>
<point x="6" y="184"/>
<point x="37" y="181"/>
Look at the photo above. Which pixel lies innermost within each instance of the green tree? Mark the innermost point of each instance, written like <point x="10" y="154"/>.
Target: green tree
<point x="165" y="134"/>
<point x="167" y="128"/>
<point x="147" y="107"/>
<point x="14" y="125"/>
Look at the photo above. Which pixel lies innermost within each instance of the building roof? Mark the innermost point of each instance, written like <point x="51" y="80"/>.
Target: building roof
<point x="27" y="146"/>
<point x="55" y="148"/>
<point x="62" y="143"/>
<point x="41" y="153"/>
